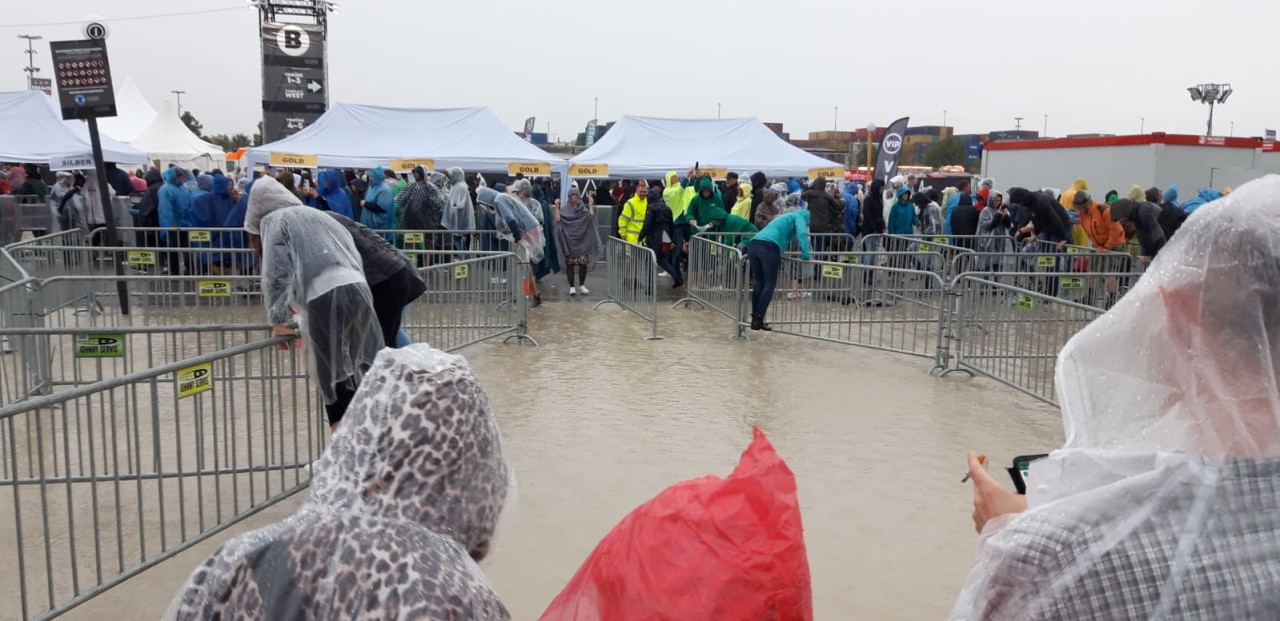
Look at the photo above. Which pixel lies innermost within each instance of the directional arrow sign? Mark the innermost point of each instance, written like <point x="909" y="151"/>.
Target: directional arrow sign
<point x="315" y="86"/>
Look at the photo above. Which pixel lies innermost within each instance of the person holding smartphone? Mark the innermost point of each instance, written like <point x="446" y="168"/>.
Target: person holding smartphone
<point x="1161" y="504"/>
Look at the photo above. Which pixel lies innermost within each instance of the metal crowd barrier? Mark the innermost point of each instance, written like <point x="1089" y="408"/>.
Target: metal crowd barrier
<point x="470" y="301"/>
<point x="632" y="280"/>
<point x="1090" y="278"/>
<point x="717" y="279"/>
<point x="1012" y="335"/>
<point x="114" y="477"/>
<point x="882" y="308"/>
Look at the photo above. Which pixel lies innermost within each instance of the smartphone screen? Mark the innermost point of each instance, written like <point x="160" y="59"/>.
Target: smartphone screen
<point x="1020" y="472"/>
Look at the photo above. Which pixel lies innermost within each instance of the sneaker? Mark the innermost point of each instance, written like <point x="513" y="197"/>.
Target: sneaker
<point x="583" y="289"/>
<point x="573" y="291"/>
<point x="663" y="275"/>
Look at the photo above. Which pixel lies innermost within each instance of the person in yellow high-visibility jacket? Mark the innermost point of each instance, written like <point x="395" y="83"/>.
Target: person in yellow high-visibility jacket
<point x="631" y="220"/>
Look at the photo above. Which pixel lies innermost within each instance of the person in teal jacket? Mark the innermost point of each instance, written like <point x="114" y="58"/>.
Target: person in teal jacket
<point x="764" y="253"/>
<point x="902" y="216"/>
<point x="378" y="209"/>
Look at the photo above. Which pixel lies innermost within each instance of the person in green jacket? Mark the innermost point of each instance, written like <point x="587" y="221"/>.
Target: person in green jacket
<point x="706" y="214"/>
<point x="764" y="253"/>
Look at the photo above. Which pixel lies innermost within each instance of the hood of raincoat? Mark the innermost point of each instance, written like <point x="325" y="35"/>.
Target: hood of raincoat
<point x="487" y="196"/>
<point x="457" y="176"/>
<point x="220" y="186"/>
<point x="268" y="196"/>
<point x="819" y="184"/>
<point x="376" y="176"/>
<point x="205" y="182"/>
<point x="742" y="207"/>
<point x="672" y="179"/>
<point x="904" y="191"/>
<point x="1188" y="360"/>
<point x="171" y="175"/>
<point x="1171" y="195"/>
<point x="153" y="176"/>
<point x="409" y="493"/>
<point x="1136" y="194"/>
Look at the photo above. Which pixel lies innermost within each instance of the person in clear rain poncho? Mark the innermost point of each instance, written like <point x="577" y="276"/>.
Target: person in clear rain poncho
<point x="1163" y="502"/>
<point x="406" y="500"/>
<point x="310" y="266"/>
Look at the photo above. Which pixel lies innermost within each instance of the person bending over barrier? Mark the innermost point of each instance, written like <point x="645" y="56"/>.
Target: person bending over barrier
<point x="1162" y="502"/>
<point x="310" y="264"/>
<point x="764" y="252"/>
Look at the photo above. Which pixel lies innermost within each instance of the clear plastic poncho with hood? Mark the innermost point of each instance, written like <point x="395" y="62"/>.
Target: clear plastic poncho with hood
<point x="407" y="497"/>
<point x="310" y="266"/>
<point x="1162" y="502"/>
<point x="514" y="221"/>
<point x="459" y="213"/>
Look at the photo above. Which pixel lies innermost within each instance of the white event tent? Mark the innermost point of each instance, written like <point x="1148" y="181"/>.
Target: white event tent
<point x="361" y="136"/>
<point x="649" y="147"/>
<point x="133" y="113"/>
<point x="34" y="133"/>
<point x="169" y="141"/>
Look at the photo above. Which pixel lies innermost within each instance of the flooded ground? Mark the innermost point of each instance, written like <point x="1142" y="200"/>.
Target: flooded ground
<point x="598" y="420"/>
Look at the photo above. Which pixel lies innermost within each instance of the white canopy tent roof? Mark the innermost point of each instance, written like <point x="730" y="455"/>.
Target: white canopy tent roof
<point x="134" y="114"/>
<point x="35" y="133"/>
<point x="646" y="146"/>
<point x="169" y="141"/>
<point x="353" y="135"/>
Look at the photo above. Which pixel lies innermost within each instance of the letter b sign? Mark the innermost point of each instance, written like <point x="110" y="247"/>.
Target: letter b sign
<point x="293" y="40"/>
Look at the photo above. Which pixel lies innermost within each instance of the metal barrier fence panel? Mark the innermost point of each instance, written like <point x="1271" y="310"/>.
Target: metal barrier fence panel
<point x="717" y="278"/>
<point x="1091" y="278"/>
<point x="470" y="301"/>
<point x="877" y="307"/>
<point x="1013" y="335"/>
<point x="111" y="478"/>
<point x="158" y="300"/>
<point x="632" y="280"/>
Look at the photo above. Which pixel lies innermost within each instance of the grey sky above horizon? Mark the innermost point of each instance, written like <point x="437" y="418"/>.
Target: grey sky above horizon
<point x="1091" y="65"/>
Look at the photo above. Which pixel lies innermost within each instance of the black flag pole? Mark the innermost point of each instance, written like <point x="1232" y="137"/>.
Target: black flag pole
<point x="108" y="209"/>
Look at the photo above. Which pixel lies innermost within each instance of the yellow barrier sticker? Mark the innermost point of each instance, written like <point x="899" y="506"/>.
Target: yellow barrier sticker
<point x="628" y="253"/>
<point x="214" y="288"/>
<point x="406" y="166"/>
<point x="460" y="271"/>
<point x="924" y="247"/>
<point x="1048" y="262"/>
<point x="1072" y="283"/>
<point x="715" y="251"/>
<point x="1072" y="250"/>
<point x="1026" y="302"/>
<point x="535" y="169"/>
<point x="832" y="271"/>
<point x="414" y="238"/>
<point x="589" y="170"/>
<point x="100" y="345"/>
<point x="142" y="257"/>
<point x="200" y="236"/>
<point x="941" y="240"/>
<point x="195" y="379"/>
<point x="294" y="160"/>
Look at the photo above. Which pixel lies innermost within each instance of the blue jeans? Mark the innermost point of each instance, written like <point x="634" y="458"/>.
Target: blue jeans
<point x="765" y="259"/>
<point x="669" y="262"/>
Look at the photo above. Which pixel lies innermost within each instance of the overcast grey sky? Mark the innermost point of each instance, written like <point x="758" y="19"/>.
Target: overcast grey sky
<point x="1091" y="65"/>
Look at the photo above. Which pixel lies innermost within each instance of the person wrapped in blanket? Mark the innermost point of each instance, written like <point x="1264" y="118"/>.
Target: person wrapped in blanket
<point x="405" y="501"/>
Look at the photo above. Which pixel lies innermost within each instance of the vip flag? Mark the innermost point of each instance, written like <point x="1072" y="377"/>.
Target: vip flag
<point x="528" y="129"/>
<point x="591" y="132"/>
<point x="890" y="154"/>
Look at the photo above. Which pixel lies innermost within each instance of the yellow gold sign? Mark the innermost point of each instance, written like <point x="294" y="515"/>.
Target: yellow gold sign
<point x="406" y="166"/>
<point x="460" y="271"/>
<point x="200" y="236"/>
<point x="529" y="169"/>
<point x="832" y="271"/>
<point x="293" y="160"/>
<point x="214" y="288"/>
<point x="717" y="174"/>
<point x="830" y="173"/>
<point x="589" y="170"/>
<point x="413" y="238"/>
<point x="142" y="257"/>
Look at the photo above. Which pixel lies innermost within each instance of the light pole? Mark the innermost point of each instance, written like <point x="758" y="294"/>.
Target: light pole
<point x="31" y="68"/>
<point x="871" y="133"/>
<point x="179" y="94"/>
<point x="1017" y="123"/>
<point x="835" y="125"/>
<point x="1210" y="94"/>
<point x="944" y="118"/>
<point x="717" y="110"/>
<point x="595" y="110"/>
<point x="1142" y="127"/>
<point x="1046" y="127"/>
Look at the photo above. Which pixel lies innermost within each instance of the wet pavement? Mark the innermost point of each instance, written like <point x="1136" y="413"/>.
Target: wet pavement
<point x="598" y="420"/>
